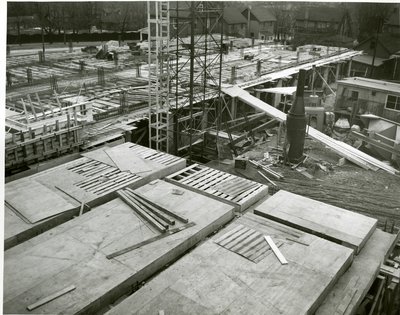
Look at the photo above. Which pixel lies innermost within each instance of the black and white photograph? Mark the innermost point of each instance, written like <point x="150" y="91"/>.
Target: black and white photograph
<point x="201" y="157"/>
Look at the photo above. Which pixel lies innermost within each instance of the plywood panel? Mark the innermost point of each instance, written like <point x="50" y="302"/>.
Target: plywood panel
<point x="336" y="224"/>
<point x="214" y="280"/>
<point x="74" y="253"/>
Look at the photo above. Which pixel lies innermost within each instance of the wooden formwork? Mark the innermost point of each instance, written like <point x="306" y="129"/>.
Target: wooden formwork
<point x="29" y="150"/>
<point x="220" y="185"/>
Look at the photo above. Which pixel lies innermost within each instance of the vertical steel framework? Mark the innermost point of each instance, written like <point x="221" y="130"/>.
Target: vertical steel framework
<point x="197" y="74"/>
<point x="159" y="77"/>
<point x="190" y="64"/>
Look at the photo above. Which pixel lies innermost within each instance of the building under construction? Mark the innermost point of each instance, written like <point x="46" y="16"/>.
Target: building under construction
<point x="198" y="172"/>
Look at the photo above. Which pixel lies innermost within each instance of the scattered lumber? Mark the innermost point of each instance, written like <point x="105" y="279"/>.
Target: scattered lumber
<point x="143" y="213"/>
<point x="266" y="169"/>
<point x="150" y="240"/>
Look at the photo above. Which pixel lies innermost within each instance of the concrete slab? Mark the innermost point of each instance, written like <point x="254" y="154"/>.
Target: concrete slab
<point x="74" y="253"/>
<point x="214" y="280"/>
<point x="51" y="197"/>
<point x="333" y="223"/>
<point x="348" y="293"/>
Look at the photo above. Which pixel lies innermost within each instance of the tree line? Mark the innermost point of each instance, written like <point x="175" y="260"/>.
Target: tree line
<point x="75" y="17"/>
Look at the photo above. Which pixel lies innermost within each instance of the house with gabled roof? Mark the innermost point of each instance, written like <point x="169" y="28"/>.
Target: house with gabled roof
<point x="260" y="22"/>
<point x="392" y="24"/>
<point x="319" y="19"/>
<point x="234" y="22"/>
<point x="381" y="55"/>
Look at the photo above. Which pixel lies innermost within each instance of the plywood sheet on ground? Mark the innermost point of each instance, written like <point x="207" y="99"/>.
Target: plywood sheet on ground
<point x="348" y="293"/>
<point x="336" y="224"/>
<point x="34" y="201"/>
<point x="74" y="253"/>
<point x="214" y="280"/>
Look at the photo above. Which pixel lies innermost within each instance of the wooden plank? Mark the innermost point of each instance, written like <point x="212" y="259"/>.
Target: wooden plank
<point x="275" y="249"/>
<point x="50" y="298"/>
<point x="140" y="211"/>
<point x="151" y="208"/>
<point x="149" y="241"/>
<point x="333" y="223"/>
<point x="157" y="206"/>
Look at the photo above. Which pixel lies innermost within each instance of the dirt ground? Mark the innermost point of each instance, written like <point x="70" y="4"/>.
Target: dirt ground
<point x="323" y="177"/>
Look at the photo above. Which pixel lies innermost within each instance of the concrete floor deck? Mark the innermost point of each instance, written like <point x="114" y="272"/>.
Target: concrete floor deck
<point x="74" y="253"/>
<point x="214" y="280"/>
<point x="41" y="201"/>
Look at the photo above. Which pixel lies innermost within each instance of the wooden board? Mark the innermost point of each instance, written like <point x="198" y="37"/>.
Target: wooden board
<point x="85" y="180"/>
<point x="348" y="293"/>
<point x="74" y="253"/>
<point x="330" y="222"/>
<point x="214" y="280"/>
<point x="220" y="185"/>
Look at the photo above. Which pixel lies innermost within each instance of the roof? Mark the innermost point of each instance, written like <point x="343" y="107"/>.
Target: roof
<point x="394" y="18"/>
<point x="233" y="15"/>
<point x="371" y="84"/>
<point x="322" y="14"/>
<point x="390" y="42"/>
<point x="261" y="14"/>
<point x="367" y="59"/>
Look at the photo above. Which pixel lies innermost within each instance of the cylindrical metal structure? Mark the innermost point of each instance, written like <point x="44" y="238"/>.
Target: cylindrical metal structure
<point x="296" y="123"/>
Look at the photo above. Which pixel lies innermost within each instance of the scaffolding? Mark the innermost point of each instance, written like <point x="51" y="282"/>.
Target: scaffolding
<point x="199" y="45"/>
<point x="189" y="57"/>
<point x="159" y="77"/>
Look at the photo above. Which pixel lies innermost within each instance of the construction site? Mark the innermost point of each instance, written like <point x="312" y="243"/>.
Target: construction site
<point x="194" y="172"/>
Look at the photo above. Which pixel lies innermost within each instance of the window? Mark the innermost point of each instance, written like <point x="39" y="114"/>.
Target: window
<point x="393" y="102"/>
<point x="354" y="95"/>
